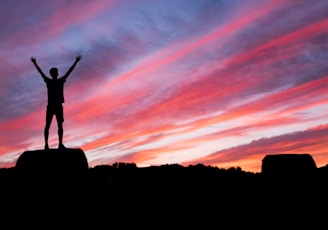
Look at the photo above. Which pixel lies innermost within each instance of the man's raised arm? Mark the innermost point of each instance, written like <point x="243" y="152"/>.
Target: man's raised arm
<point x="78" y="58"/>
<point x="33" y="59"/>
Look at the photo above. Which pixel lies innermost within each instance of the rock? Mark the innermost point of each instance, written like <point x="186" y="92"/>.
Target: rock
<point x="53" y="162"/>
<point x="288" y="165"/>
<point x="52" y="190"/>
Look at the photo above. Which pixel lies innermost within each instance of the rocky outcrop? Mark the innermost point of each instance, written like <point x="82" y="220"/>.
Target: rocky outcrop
<point x="288" y="165"/>
<point x="51" y="189"/>
<point x="53" y="159"/>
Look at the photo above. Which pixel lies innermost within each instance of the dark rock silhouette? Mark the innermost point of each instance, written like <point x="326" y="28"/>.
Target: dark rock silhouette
<point x="51" y="189"/>
<point x="288" y="165"/>
<point x="53" y="161"/>
<point x="67" y="167"/>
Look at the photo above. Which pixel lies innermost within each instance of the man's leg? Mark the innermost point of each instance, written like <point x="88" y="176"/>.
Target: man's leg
<point x="60" y="135"/>
<point x="47" y="127"/>
<point x="46" y="134"/>
<point x="60" y="120"/>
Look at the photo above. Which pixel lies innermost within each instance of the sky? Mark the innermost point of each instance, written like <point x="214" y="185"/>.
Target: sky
<point x="214" y="82"/>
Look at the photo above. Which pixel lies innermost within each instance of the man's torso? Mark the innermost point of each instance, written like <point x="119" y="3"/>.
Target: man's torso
<point x="55" y="90"/>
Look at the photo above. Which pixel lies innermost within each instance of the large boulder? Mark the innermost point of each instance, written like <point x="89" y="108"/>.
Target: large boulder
<point x="53" y="162"/>
<point x="288" y="164"/>
<point x="51" y="190"/>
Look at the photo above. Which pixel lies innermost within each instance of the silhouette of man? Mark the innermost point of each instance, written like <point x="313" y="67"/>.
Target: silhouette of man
<point x="55" y="87"/>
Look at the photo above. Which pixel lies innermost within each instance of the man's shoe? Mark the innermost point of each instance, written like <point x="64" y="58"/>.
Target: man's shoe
<point x="61" y="146"/>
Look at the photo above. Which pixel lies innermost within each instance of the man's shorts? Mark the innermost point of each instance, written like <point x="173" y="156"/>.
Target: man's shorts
<point x="55" y="109"/>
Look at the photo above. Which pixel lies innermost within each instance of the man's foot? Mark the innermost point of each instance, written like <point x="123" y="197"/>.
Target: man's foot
<point x="61" y="146"/>
<point x="46" y="147"/>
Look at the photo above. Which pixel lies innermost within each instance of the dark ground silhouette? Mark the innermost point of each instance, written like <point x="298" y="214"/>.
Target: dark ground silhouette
<point x="57" y="190"/>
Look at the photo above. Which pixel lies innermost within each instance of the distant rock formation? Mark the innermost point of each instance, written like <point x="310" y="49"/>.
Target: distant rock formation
<point x="288" y="164"/>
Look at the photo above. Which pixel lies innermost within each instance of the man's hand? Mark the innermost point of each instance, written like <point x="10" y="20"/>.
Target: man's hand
<point x="78" y="58"/>
<point x="33" y="59"/>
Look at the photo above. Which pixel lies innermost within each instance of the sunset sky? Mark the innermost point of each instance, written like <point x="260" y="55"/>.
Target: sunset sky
<point x="213" y="82"/>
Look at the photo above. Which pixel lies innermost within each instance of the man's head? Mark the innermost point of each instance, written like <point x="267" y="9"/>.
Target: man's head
<point x="54" y="73"/>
